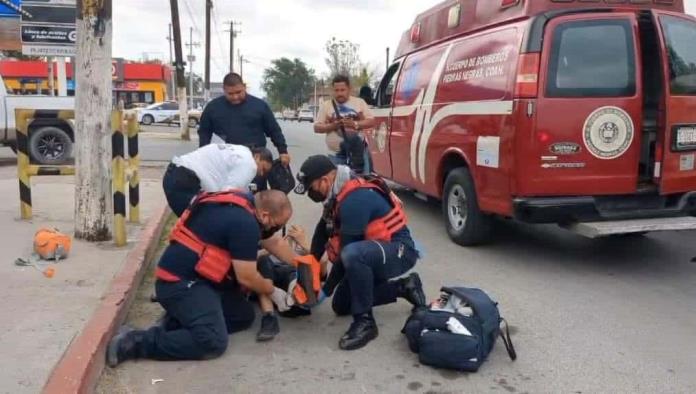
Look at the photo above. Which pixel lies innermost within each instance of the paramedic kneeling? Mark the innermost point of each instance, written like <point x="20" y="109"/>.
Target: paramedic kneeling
<point x="368" y="244"/>
<point x="201" y="275"/>
<point x="213" y="168"/>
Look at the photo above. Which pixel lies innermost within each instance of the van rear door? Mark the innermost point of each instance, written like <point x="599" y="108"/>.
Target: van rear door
<point x="589" y="108"/>
<point x="677" y="172"/>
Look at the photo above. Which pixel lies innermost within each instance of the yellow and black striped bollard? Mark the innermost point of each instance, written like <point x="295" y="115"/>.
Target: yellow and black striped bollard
<point x="134" y="165"/>
<point x="118" y="178"/>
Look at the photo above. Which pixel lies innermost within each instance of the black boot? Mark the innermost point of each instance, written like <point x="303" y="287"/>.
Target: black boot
<point x="361" y="331"/>
<point x="410" y="288"/>
<point x="295" y="311"/>
<point x="123" y="346"/>
<point x="269" y="327"/>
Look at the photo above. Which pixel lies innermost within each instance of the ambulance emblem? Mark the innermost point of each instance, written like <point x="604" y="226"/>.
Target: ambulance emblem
<point x="608" y="132"/>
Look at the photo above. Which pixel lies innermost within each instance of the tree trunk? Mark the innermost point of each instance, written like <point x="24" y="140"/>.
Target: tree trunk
<point x="93" y="192"/>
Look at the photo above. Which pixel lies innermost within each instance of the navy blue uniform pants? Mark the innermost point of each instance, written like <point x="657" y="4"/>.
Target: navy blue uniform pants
<point x="368" y="267"/>
<point x="180" y="186"/>
<point x="206" y="315"/>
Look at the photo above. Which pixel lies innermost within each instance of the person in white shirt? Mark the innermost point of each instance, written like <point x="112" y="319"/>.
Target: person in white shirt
<point x="213" y="168"/>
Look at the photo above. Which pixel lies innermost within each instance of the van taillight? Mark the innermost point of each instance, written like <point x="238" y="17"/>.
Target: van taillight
<point x="527" y="75"/>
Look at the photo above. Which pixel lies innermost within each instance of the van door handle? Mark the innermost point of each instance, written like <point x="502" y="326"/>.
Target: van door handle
<point x="530" y="109"/>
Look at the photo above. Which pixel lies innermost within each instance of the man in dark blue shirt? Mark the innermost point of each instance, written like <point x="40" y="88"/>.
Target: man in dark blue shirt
<point x="363" y="260"/>
<point x="242" y="119"/>
<point x="207" y="311"/>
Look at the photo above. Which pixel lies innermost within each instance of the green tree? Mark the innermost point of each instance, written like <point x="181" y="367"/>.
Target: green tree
<point x="288" y="83"/>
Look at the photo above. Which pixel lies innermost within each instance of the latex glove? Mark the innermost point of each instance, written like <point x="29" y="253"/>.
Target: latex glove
<point x="280" y="299"/>
<point x="321" y="297"/>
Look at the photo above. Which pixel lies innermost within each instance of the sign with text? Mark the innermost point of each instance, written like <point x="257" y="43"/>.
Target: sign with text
<point x="48" y="28"/>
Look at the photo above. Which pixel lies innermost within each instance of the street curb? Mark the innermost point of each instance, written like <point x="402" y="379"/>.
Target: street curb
<point x="83" y="361"/>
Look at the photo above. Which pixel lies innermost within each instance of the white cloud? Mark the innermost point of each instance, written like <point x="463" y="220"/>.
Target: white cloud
<point x="270" y="29"/>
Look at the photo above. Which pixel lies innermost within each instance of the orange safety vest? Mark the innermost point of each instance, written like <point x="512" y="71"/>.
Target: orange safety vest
<point x="380" y="229"/>
<point x="213" y="262"/>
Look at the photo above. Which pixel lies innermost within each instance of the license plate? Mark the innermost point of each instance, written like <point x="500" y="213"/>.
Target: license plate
<point x="686" y="138"/>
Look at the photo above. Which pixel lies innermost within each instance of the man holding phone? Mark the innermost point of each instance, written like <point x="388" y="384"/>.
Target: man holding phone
<point x="342" y="120"/>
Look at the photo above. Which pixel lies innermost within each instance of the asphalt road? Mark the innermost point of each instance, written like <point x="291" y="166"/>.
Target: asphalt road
<point x="588" y="316"/>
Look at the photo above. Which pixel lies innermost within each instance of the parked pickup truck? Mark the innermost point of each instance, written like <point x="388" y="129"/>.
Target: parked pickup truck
<point x="50" y="140"/>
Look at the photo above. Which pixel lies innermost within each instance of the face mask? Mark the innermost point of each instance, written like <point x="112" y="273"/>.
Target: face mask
<point x="316" y="196"/>
<point x="268" y="232"/>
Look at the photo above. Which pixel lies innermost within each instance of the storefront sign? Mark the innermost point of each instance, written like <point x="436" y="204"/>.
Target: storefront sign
<point x="48" y="28"/>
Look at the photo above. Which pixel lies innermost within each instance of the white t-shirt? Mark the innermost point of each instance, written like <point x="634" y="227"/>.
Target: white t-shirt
<point x="220" y="167"/>
<point x="355" y="108"/>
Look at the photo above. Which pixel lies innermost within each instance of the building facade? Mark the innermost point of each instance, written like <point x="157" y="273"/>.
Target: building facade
<point x="132" y="82"/>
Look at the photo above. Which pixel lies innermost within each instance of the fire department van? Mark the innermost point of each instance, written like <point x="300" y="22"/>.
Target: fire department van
<point x="576" y="112"/>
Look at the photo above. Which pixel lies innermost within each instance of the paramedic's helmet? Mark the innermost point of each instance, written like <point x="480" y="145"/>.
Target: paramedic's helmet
<point x="280" y="177"/>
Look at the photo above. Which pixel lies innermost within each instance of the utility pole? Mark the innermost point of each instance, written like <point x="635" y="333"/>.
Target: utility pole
<point x="172" y="84"/>
<point x="180" y="77"/>
<point x="94" y="205"/>
<point x="191" y="59"/>
<point x="233" y="35"/>
<point x="242" y="60"/>
<point x="206" y="89"/>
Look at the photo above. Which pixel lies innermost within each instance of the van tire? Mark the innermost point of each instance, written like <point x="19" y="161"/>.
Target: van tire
<point x="49" y="145"/>
<point x="193" y="123"/>
<point x="466" y="225"/>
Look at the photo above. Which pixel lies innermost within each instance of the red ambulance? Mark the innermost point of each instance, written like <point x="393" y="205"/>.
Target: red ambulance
<point x="576" y="112"/>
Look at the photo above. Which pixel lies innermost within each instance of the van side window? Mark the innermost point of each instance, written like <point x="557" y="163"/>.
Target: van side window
<point x="680" y="37"/>
<point x="385" y="94"/>
<point x="594" y="58"/>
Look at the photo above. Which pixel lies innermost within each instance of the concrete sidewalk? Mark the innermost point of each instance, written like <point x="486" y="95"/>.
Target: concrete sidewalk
<point x="42" y="316"/>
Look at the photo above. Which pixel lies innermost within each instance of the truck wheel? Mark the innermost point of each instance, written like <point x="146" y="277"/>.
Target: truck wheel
<point x="192" y="122"/>
<point x="466" y="224"/>
<point x="49" y="145"/>
<point x="148" y="120"/>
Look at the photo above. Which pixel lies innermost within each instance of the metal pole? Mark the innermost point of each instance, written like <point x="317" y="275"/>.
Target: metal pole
<point x="172" y="83"/>
<point x="208" y="7"/>
<point x="232" y="34"/>
<point x="62" y="79"/>
<point x="51" y="79"/>
<point x="191" y="68"/>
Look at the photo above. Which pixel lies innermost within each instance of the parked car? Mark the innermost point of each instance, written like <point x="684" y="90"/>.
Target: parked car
<point x="158" y="113"/>
<point x="305" y="115"/>
<point x="194" y="118"/>
<point x="50" y="140"/>
<point x="289" y="114"/>
<point x="136" y="105"/>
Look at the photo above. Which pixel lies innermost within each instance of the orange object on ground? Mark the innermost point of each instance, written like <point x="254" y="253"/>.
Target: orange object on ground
<point x="51" y="244"/>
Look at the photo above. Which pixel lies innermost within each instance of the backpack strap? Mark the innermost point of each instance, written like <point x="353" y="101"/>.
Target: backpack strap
<point x="505" y="336"/>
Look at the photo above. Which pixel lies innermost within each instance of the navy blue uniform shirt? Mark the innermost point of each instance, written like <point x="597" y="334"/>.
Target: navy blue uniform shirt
<point x="358" y="209"/>
<point x="248" y="123"/>
<point x="229" y="227"/>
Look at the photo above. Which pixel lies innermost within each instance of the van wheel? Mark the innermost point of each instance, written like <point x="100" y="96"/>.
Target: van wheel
<point x="193" y="123"/>
<point x="49" y="145"/>
<point x="466" y="224"/>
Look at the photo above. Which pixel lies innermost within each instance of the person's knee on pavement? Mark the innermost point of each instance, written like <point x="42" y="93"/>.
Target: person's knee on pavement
<point x="211" y="341"/>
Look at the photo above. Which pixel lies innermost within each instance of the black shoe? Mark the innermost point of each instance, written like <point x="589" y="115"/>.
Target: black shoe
<point x="269" y="328"/>
<point x="411" y="289"/>
<point x="295" y="311"/>
<point x="361" y="332"/>
<point x="123" y="346"/>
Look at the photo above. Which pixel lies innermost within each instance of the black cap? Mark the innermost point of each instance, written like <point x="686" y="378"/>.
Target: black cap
<point x="312" y="169"/>
<point x="280" y="177"/>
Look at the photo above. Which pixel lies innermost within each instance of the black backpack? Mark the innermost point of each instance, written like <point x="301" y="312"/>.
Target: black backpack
<point x="280" y="177"/>
<point x="428" y="333"/>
